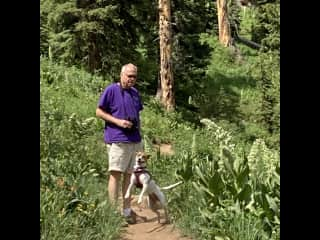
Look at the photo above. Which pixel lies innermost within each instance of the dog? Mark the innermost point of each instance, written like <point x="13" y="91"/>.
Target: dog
<point x="141" y="178"/>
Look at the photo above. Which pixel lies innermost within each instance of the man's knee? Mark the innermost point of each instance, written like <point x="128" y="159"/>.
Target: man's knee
<point x="115" y="175"/>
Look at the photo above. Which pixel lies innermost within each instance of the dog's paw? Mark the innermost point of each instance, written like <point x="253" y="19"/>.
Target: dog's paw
<point x="127" y="196"/>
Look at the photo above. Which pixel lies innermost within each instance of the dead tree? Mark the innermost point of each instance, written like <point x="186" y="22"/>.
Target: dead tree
<point x="166" y="74"/>
<point x="224" y="24"/>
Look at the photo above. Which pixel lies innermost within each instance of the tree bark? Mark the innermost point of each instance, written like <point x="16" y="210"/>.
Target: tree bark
<point x="166" y="75"/>
<point x="93" y="55"/>
<point x="224" y="24"/>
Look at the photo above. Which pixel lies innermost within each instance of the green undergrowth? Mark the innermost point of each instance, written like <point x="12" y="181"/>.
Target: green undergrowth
<point x="230" y="169"/>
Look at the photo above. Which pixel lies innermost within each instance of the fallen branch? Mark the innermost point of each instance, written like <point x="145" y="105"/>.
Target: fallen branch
<point x="247" y="42"/>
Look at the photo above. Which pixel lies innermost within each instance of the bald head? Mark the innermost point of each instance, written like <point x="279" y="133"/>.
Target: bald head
<point x="127" y="67"/>
<point x="128" y="75"/>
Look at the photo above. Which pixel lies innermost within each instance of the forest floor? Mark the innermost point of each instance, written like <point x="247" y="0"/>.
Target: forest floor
<point x="147" y="226"/>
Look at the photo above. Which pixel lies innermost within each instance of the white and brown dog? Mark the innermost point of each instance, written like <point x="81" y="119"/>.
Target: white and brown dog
<point x="141" y="178"/>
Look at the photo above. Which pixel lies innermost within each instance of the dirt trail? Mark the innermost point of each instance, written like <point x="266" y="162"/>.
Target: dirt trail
<point x="149" y="228"/>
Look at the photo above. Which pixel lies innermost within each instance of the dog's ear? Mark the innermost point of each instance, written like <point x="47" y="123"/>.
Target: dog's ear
<point x="148" y="156"/>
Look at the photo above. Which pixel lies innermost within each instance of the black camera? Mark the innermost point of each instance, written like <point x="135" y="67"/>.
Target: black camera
<point x="134" y="124"/>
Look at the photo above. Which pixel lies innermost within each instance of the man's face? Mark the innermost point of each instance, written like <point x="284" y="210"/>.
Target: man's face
<point x="128" y="77"/>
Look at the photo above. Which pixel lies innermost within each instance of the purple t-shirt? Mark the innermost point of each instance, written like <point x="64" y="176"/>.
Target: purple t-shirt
<point x="122" y="104"/>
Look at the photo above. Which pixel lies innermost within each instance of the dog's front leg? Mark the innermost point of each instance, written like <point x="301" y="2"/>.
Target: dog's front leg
<point x="128" y="192"/>
<point x="144" y="179"/>
<point x="143" y="191"/>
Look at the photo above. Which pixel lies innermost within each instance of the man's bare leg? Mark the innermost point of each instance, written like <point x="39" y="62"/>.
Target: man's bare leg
<point x="125" y="184"/>
<point x="113" y="186"/>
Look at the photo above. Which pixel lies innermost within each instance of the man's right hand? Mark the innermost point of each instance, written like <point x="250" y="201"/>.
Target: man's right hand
<point x="124" y="123"/>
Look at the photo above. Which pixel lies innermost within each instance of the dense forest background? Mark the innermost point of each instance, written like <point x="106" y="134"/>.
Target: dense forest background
<point x="227" y="110"/>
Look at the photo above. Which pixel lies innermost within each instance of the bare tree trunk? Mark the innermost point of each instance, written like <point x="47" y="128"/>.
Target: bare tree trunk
<point x="166" y="74"/>
<point x="94" y="60"/>
<point x="224" y="24"/>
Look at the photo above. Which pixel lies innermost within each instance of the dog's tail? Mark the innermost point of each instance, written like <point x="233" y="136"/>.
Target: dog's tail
<point x="172" y="186"/>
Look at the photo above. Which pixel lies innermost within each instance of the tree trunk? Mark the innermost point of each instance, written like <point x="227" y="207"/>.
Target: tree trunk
<point x="223" y="22"/>
<point x="166" y="74"/>
<point x="94" y="60"/>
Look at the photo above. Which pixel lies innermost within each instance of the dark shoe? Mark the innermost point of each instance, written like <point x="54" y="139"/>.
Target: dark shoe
<point x="132" y="218"/>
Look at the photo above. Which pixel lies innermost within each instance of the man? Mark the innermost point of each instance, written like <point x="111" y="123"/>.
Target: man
<point x="119" y="106"/>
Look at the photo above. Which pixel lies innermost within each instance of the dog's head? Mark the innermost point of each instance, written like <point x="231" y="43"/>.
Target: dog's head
<point x="141" y="159"/>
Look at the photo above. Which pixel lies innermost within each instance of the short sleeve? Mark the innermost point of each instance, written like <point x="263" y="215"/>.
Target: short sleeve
<point x="105" y="98"/>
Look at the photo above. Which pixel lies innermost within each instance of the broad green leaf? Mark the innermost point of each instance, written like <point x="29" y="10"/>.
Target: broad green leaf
<point x="216" y="185"/>
<point x="202" y="177"/>
<point x="272" y="203"/>
<point x="245" y="193"/>
<point x="242" y="178"/>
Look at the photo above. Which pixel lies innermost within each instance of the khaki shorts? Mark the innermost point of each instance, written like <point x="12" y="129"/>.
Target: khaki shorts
<point x="122" y="156"/>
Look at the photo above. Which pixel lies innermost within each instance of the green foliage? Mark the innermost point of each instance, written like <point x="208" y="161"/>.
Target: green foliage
<point x="80" y="33"/>
<point x="233" y="192"/>
<point x="190" y="56"/>
<point x="267" y="29"/>
<point x="248" y="19"/>
<point x="45" y="8"/>
<point x="72" y="82"/>
<point x="81" y="213"/>
<point x="246" y="94"/>
<point x="266" y="70"/>
<point x="229" y="90"/>
<point x="72" y="158"/>
<point x="44" y="31"/>
<point x="262" y="161"/>
<point x="156" y="122"/>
